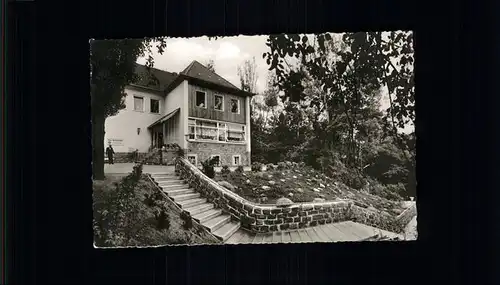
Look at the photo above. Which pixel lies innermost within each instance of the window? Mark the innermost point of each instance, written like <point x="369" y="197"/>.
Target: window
<point x="236" y="160"/>
<point x="193" y="159"/>
<point x="235" y="106"/>
<point x="138" y="104"/>
<point x="215" y="131"/>
<point x="236" y="132"/>
<point x="219" y="102"/>
<point x="201" y="99"/>
<point x="218" y="161"/>
<point x="155" y="106"/>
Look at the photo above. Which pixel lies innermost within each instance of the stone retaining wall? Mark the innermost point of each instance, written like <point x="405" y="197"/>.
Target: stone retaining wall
<point x="263" y="218"/>
<point x="405" y="217"/>
<point x="268" y="218"/>
<point x="154" y="158"/>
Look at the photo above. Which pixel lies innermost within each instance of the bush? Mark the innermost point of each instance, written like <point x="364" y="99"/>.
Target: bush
<point x="239" y="169"/>
<point x="208" y="167"/>
<point x="270" y="166"/>
<point x="225" y="170"/>
<point x="246" y="221"/>
<point x="119" y="215"/>
<point x="256" y="166"/>
<point x="282" y="166"/>
<point x="186" y="218"/>
<point x="162" y="219"/>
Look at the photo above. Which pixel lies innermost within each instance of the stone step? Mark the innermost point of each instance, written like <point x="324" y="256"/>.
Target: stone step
<point x="163" y="175"/>
<point x="226" y="231"/>
<point x="207" y="215"/>
<point x="184" y="197"/>
<point x="171" y="182"/>
<point x="179" y="192"/>
<point x="174" y="187"/>
<point x="168" y="180"/>
<point x="194" y="210"/>
<point x="191" y="202"/>
<point x="217" y="222"/>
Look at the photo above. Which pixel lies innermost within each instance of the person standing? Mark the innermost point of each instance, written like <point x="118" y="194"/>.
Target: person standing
<point x="110" y="152"/>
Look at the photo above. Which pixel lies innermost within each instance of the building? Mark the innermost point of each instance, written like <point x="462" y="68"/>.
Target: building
<point x="197" y="109"/>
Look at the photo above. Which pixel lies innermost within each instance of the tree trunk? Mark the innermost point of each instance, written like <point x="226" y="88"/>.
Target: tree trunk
<point x="98" y="145"/>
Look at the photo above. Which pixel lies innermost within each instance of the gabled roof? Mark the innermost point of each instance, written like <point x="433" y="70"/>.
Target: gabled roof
<point x="199" y="74"/>
<point x="199" y="71"/>
<point x="155" y="79"/>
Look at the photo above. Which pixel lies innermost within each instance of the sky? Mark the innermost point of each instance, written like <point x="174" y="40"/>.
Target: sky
<point x="227" y="53"/>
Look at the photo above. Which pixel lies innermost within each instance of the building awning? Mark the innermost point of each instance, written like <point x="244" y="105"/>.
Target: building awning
<point x="164" y="118"/>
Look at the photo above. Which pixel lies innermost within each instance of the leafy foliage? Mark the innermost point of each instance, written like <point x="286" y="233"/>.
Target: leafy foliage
<point x="322" y="107"/>
<point x="208" y="166"/>
<point x="186" y="218"/>
<point x="112" y="67"/>
<point x="256" y="166"/>
<point x="225" y="170"/>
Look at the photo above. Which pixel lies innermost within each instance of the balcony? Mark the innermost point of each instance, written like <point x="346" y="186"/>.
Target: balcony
<point x="216" y="132"/>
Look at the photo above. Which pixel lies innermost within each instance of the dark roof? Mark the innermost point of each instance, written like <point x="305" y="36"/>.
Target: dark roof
<point x="199" y="71"/>
<point x="199" y="74"/>
<point x="164" y="118"/>
<point x="155" y="79"/>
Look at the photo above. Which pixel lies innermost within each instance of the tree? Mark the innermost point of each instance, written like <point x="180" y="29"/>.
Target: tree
<point x="360" y="60"/>
<point x="210" y="65"/>
<point x="112" y="67"/>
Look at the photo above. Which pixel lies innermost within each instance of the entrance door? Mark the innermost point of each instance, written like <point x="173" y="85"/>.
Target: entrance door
<point x="159" y="139"/>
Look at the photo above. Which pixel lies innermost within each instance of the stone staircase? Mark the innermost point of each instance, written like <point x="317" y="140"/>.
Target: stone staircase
<point x="214" y="220"/>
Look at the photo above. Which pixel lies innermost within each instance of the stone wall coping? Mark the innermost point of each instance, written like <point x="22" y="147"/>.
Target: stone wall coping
<point x="242" y="200"/>
<point x="408" y="211"/>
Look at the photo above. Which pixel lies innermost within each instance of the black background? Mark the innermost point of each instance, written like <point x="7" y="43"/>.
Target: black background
<point x="48" y="145"/>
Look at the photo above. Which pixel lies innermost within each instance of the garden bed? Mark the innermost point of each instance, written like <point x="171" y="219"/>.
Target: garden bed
<point x="301" y="184"/>
<point x="141" y="218"/>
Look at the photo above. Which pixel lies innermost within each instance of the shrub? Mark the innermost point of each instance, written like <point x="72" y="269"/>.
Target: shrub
<point x="162" y="219"/>
<point x="208" y="167"/>
<point x="270" y="166"/>
<point x="132" y="156"/>
<point x="256" y="166"/>
<point x="239" y="169"/>
<point x="246" y="222"/>
<point x="186" y="218"/>
<point x="225" y="170"/>
<point x="282" y="166"/>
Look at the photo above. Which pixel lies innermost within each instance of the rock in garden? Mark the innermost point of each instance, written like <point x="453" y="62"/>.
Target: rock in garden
<point x="269" y="176"/>
<point x="266" y="187"/>
<point x="248" y="181"/>
<point x="227" y="185"/>
<point x="300" y="190"/>
<point x="321" y="185"/>
<point x="284" y="202"/>
<point x="295" y="177"/>
<point x="290" y="194"/>
<point x="316" y="190"/>
<point x="271" y="182"/>
<point x="316" y="200"/>
<point x="282" y="180"/>
<point x="397" y="211"/>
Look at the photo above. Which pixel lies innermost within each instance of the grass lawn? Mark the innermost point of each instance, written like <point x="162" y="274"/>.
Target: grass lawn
<point x="138" y="224"/>
<point x="302" y="184"/>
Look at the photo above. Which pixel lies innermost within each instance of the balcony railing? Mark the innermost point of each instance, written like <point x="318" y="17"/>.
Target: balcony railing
<point x="221" y="134"/>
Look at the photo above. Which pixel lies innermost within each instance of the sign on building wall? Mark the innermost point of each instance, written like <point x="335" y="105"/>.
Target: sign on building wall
<point x="115" y="142"/>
